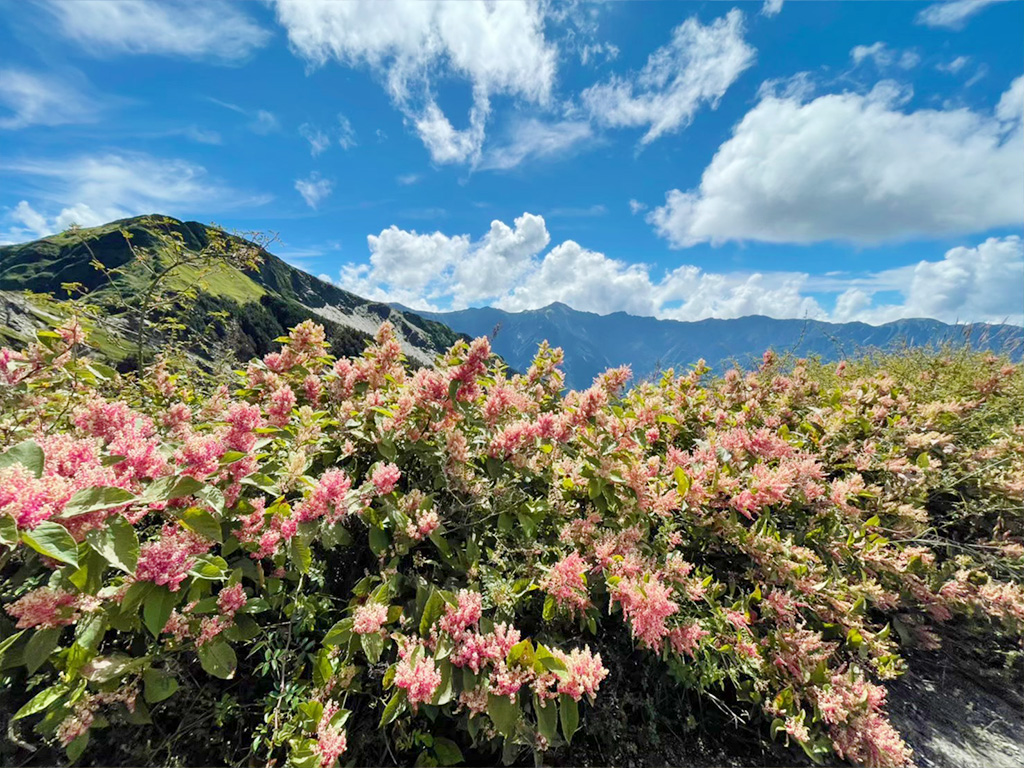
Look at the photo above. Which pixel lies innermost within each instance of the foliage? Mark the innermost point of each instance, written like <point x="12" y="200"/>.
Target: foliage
<point x="343" y="559"/>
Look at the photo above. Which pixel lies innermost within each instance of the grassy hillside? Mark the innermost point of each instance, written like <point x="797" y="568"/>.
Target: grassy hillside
<point x="236" y="312"/>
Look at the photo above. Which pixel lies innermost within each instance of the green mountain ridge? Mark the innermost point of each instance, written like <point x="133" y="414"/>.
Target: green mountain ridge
<point x="237" y="311"/>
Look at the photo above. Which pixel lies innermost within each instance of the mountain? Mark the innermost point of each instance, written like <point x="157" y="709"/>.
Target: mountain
<point x="594" y="342"/>
<point x="236" y="310"/>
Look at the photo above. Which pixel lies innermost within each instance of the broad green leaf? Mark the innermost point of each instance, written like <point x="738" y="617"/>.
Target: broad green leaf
<point x="7" y="642"/>
<point x="40" y="701"/>
<point x="168" y="488"/>
<point x="113" y="667"/>
<point x="432" y="611"/>
<point x="570" y="711"/>
<point x="396" y="704"/>
<point x="39" y="647"/>
<point x="373" y="646"/>
<point x="447" y="751"/>
<point x="77" y="747"/>
<point x="158" y="685"/>
<point x="8" y="531"/>
<point x="301" y="554"/>
<point x="504" y="712"/>
<point x="378" y="541"/>
<point x="157" y="609"/>
<point x="95" y="499"/>
<point x="28" y="454"/>
<point x="117" y="542"/>
<point x="53" y="540"/>
<point x="547" y="717"/>
<point x="218" y="659"/>
<point x="202" y="522"/>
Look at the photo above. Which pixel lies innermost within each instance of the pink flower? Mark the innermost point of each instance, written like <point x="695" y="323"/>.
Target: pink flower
<point x="45" y="608"/>
<point x="385" y="477"/>
<point x="684" y="639"/>
<point x="168" y="559"/>
<point x="567" y="584"/>
<point x="331" y="741"/>
<point x="281" y="404"/>
<point x="200" y="456"/>
<point x="327" y="498"/>
<point x="466" y="614"/>
<point x="231" y="599"/>
<point x="646" y="605"/>
<point x="369" y="618"/>
<point x="584" y="673"/>
<point x="418" y="679"/>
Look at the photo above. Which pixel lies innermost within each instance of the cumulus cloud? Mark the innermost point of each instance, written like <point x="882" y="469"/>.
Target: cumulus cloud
<point x="771" y="8"/>
<point x="955" y="65"/>
<point x="498" y="48"/>
<point x="855" y="167"/>
<point x="103" y="187"/>
<point x="195" y="29"/>
<point x="509" y="268"/>
<point x="695" y="68"/>
<point x="952" y="14"/>
<point x="31" y="98"/>
<point x="314" y="190"/>
<point x="534" y="139"/>
<point x="979" y="284"/>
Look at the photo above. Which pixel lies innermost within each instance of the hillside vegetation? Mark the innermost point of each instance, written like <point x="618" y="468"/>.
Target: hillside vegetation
<point x="227" y="311"/>
<point x="324" y="560"/>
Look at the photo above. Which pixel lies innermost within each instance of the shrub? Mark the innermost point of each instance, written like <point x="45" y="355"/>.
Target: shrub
<point x="334" y="557"/>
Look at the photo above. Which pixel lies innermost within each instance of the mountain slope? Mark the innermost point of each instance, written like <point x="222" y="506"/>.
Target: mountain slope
<point x="594" y="342"/>
<point x="254" y="306"/>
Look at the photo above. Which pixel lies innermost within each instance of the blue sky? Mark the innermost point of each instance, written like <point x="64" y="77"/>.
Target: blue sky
<point x="841" y="160"/>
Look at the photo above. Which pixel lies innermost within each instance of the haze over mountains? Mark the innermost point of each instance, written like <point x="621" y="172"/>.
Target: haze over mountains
<point x="258" y="306"/>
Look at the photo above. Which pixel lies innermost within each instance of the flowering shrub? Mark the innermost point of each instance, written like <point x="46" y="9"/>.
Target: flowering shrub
<point x="449" y="557"/>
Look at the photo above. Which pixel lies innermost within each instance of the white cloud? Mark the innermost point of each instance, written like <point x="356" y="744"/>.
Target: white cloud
<point x="953" y="14"/>
<point x="265" y="122"/>
<point x="884" y="56"/>
<point x="346" y="133"/>
<point x="196" y="29"/>
<point x="38" y="99"/>
<point x="318" y="140"/>
<point x="695" y="68"/>
<point x="534" y="139"/>
<point x="408" y="179"/>
<point x="314" y="190"/>
<point x="771" y="8"/>
<point x="635" y="206"/>
<point x="508" y="268"/>
<point x="104" y="187"/>
<point x="954" y="66"/>
<point x="853" y="167"/>
<point x="591" y="52"/>
<point x="980" y="284"/>
<point x="498" y="48"/>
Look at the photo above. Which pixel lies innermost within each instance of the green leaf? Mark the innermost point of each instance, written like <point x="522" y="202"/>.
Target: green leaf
<point x="157" y="609"/>
<point x="39" y="648"/>
<point x="113" y="667"/>
<point x="445" y="692"/>
<point x="547" y="717"/>
<point x="682" y="481"/>
<point x="8" y="531"/>
<point x="39" y="702"/>
<point x="202" y="522"/>
<point x="549" y="608"/>
<point x="378" y="541"/>
<point x="373" y="646"/>
<point x="168" y="488"/>
<point x="95" y="499"/>
<point x="504" y="712"/>
<point x="339" y="634"/>
<point x="447" y="751"/>
<point x="394" y="708"/>
<point x="570" y="711"/>
<point x="117" y="542"/>
<point x="301" y="554"/>
<point x="53" y="540"/>
<point x="218" y="659"/>
<point x="28" y="454"/>
<point x="432" y="611"/>
<point x="7" y="642"/>
<point x="157" y="685"/>
<point x="77" y="747"/>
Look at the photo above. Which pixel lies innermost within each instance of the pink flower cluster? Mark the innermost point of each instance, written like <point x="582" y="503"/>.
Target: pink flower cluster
<point x="168" y="558"/>
<point x="566" y="583"/>
<point x="326" y="499"/>
<point x="45" y="608"/>
<point x="385" y="477"/>
<point x="331" y="741"/>
<point x="583" y="674"/>
<point x="231" y="599"/>
<point x="646" y="604"/>
<point x="370" y="618"/>
<point x="419" y="679"/>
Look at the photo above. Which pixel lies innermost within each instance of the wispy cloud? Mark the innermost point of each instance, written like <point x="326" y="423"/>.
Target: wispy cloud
<point x="34" y="98"/>
<point x="314" y="189"/>
<point x="953" y="14"/>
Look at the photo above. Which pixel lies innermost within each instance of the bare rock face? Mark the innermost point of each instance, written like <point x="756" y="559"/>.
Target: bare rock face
<point x="956" y="716"/>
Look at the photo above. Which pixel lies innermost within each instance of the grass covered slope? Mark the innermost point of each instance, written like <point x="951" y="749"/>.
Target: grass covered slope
<point x="240" y="311"/>
<point x="345" y="560"/>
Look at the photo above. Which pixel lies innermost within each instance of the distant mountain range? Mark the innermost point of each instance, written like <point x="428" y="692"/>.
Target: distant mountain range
<point x="237" y="311"/>
<point x="594" y="342"/>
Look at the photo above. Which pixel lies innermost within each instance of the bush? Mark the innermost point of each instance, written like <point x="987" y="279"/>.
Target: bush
<point x="345" y="560"/>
